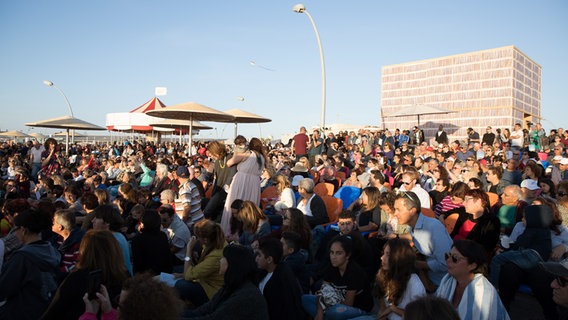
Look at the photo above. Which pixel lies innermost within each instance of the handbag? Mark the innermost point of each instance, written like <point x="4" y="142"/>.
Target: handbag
<point x="330" y="295"/>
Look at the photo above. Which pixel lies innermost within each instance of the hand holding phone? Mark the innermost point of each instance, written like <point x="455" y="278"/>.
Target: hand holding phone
<point x="94" y="281"/>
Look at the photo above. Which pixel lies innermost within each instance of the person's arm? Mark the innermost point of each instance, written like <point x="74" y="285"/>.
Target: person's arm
<point x="236" y="158"/>
<point x="349" y="298"/>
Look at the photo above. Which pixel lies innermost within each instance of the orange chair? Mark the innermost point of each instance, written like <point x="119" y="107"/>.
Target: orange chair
<point x="333" y="206"/>
<point x="450" y="222"/>
<point x="493" y="198"/>
<point x="341" y="175"/>
<point x="209" y="192"/>
<point x="269" y="194"/>
<point x="324" y="189"/>
<point x="428" y="212"/>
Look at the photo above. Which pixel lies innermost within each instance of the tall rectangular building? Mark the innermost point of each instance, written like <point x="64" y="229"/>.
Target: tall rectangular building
<point x="497" y="87"/>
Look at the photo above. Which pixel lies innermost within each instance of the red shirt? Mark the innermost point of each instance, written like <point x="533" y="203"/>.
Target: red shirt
<point x="301" y="143"/>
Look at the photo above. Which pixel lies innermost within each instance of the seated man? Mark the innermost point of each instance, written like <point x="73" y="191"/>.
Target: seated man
<point x="279" y="286"/>
<point x="69" y="239"/>
<point x="178" y="234"/>
<point x="429" y="236"/>
<point x="295" y="258"/>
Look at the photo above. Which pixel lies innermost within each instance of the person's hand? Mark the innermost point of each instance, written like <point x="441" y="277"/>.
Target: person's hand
<point x="177" y="275"/>
<point x="385" y="313"/>
<point x="91" y="306"/>
<point x="558" y="252"/>
<point x="254" y="245"/>
<point x="104" y="299"/>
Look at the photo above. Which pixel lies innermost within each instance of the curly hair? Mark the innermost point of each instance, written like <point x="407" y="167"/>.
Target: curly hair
<point x="165" y="303"/>
<point x="391" y="282"/>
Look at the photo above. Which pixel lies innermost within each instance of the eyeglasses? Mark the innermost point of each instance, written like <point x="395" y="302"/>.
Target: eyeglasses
<point x="455" y="259"/>
<point x="406" y="183"/>
<point x="467" y="198"/>
<point x="561" y="281"/>
<point x="196" y="171"/>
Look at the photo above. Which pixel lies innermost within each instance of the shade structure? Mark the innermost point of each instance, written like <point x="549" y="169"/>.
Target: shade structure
<point x="179" y="124"/>
<point x="14" y="134"/>
<point x="65" y="122"/>
<point x="37" y="135"/>
<point x="135" y="120"/>
<point x="242" y="116"/>
<point x="418" y="110"/>
<point x="191" y="111"/>
<point x="64" y="133"/>
<point x="152" y="104"/>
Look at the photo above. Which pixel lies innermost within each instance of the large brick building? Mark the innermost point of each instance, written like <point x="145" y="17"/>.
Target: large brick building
<point x="496" y="87"/>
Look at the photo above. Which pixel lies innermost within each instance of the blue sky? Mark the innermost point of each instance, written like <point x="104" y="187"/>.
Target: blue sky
<point x="108" y="56"/>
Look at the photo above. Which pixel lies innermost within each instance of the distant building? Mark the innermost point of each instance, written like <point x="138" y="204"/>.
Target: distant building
<point x="497" y="87"/>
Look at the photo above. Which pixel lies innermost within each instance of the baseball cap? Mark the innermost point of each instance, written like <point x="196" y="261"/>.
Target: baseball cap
<point x="296" y="180"/>
<point x="564" y="161"/>
<point x="530" y="184"/>
<point x="556" y="268"/>
<point x="182" y="172"/>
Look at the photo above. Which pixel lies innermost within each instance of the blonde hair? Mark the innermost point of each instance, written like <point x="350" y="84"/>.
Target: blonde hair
<point x="251" y="216"/>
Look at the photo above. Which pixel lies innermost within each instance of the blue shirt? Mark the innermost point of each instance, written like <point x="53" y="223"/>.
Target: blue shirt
<point x="432" y="240"/>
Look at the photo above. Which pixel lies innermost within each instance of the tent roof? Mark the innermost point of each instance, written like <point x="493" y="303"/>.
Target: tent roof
<point x="152" y="104"/>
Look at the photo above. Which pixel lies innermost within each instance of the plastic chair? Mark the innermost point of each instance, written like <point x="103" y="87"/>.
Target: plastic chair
<point x="341" y="175"/>
<point x="324" y="189"/>
<point x="348" y="194"/>
<point x="493" y="198"/>
<point x="450" y="222"/>
<point x="333" y="207"/>
<point x="267" y="195"/>
<point x="428" y="212"/>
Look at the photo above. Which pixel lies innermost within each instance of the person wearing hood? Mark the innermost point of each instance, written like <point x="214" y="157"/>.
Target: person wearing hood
<point x="28" y="279"/>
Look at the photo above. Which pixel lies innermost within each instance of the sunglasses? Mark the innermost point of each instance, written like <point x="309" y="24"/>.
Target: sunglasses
<point x="561" y="281"/>
<point x="455" y="259"/>
<point x="406" y="183"/>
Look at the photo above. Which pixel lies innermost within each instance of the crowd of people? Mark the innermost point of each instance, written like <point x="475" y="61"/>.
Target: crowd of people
<point x="346" y="225"/>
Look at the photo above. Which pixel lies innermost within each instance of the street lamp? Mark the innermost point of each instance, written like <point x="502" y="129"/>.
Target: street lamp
<point x="51" y="84"/>
<point x="300" y="8"/>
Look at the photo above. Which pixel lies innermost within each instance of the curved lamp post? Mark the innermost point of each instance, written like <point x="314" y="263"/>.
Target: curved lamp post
<point x="51" y="84"/>
<point x="300" y="8"/>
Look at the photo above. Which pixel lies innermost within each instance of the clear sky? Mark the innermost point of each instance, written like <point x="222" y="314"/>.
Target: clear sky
<point x="108" y="56"/>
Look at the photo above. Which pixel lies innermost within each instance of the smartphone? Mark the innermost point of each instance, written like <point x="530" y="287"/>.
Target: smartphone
<point x="94" y="281"/>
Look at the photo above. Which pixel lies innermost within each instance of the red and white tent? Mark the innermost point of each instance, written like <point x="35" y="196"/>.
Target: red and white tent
<point x="135" y="120"/>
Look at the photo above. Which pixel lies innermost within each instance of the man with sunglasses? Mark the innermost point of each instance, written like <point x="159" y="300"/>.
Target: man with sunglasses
<point x="409" y="183"/>
<point x="429" y="236"/>
<point x="559" y="285"/>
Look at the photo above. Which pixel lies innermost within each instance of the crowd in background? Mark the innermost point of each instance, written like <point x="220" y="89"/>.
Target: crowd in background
<point x="328" y="225"/>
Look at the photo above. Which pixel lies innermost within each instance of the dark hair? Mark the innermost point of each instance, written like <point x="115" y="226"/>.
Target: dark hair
<point x="474" y="253"/>
<point x="16" y="206"/>
<point x="459" y="189"/>
<point x="299" y="224"/>
<point x="241" y="268"/>
<point x="293" y="240"/>
<point x="346" y="214"/>
<point x="271" y="247"/>
<point x="151" y="220"/>
<point x="166" y="209"/>
<point x="110" y="215"/>
<point x="410" y="199"/>
<point x="240" y="140"/>
<point x="479" y="194"/>
<point x="90" y="200"/>
<point x="33" y="220"/>
<point x="164" y="304"/>
<point x="430" y="307"/>
<point x="345" y="241"/>
<point x="392" y="282"/>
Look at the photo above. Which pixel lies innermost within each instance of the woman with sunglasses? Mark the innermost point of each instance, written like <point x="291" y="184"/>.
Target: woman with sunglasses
<point x="465" y="285"/>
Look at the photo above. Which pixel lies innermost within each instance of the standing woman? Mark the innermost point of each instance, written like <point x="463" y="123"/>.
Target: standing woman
<point x="465" y="285"/>
<point x="246" y="182"/>
<point x="50" y="158"/>
<point x="28" y="278"/>
<point x="201" y="276"/>
<point x="99" y="250"/>
<point x="397" y="283"/>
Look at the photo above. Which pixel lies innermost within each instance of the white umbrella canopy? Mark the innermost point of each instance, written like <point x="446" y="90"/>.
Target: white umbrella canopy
<point x="191" y="111"/>
<point x="38" y="135"/>
<point x="242" y="116"/>
<point x="418" y="110"/>
<point x="65" y="122"/>
<point x="172" y="124"/>
<point x="14" y="134"/>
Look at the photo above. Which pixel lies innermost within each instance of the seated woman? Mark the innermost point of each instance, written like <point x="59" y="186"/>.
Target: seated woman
<point x="201" y="276"/>
<point x="370" y="216"/>
<point x="345" y="293"/>
<point x="239" y="298"/>
<point x="287" y="198"/>
<point x="478" y="223"/>
<point x="397" y="283"/>
<point x="150" y="248"/>
<point x="255" y="224"/>
<point x="99" y="250"/>
<point x="465" y="285"/>
<point x="353" y="181"/>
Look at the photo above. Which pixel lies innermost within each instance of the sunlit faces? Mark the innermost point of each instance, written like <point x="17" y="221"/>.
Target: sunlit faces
<point x="385" y="258"/>
<point x="472" y="204"/>
<point x="401" y="212"/>
<point x="223" y="265"/>
<point x="458" y="265"/>
<point x="345" y="225"/>
<point x="337" y="255"/>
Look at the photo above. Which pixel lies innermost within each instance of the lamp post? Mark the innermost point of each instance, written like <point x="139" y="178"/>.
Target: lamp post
<point x="300" y="8"/>
<point x="51" y="84"/>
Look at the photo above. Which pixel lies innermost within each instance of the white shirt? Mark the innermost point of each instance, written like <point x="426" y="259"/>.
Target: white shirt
<point x="305" y="208"/>
<point x="518" y="142"/>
